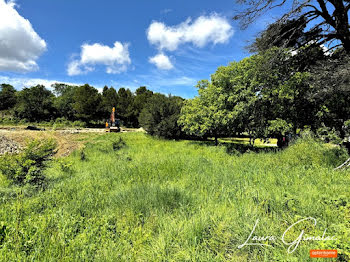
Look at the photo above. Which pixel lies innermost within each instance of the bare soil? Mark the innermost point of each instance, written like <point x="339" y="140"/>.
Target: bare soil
<point x="13" y="139"/>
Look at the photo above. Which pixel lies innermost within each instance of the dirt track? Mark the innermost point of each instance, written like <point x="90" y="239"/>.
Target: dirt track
<point x="12" y="139"/>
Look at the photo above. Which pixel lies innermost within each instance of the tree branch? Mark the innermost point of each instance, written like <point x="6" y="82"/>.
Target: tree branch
<point x="325" y="13"/>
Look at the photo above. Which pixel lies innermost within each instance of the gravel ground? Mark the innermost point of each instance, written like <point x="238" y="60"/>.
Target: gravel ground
<point x="8" y="146"/>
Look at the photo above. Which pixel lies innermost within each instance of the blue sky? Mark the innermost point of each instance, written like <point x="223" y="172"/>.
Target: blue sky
<point x="165" y="45"/>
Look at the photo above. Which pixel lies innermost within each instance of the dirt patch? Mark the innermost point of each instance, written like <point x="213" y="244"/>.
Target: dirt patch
<point x="9" y="146"/>
<point x="67" y="141"/>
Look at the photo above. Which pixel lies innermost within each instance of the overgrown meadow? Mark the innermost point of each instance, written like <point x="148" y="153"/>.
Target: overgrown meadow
<point x="144" y="199"/>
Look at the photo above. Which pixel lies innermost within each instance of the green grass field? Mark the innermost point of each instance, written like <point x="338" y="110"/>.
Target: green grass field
<point x="157" y="200"/>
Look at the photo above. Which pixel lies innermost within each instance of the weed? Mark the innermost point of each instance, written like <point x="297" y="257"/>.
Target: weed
<point x="119" y="144"/>
<point x="28" y="166"/>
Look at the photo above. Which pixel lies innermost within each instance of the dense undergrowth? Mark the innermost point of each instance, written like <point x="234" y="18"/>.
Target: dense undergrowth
<point x="144" y="199"/>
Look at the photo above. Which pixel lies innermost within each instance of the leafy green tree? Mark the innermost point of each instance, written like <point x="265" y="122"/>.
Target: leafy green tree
<point x="330" y="80"/>
<point x="7" y="96"/>
<point x="142" y="95"/>
<point x="87" y="103"/>
<point x="160" y="115"/>
<point x="124" y="107"/>
<point x="109" y="100"/>
<point x="207" y="114"/>
<point x="249" y="95"/>
<point x="64" y="100"/>
<point x="35" y="104"/>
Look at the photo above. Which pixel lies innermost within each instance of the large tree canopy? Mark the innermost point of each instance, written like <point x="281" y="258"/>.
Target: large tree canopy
<point x="312" y="21"/>
<point x="35" y="104"/>
<point x="64" y="100"/>
<point x="7" y="96"/>
<point x="86" y="103"/>
<point x="160" y="114"/>
<point x="262" y="95"/>
<point x="206" y="114"/>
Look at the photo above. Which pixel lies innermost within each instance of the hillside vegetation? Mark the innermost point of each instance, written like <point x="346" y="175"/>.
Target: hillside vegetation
<point x="146" y="199"/>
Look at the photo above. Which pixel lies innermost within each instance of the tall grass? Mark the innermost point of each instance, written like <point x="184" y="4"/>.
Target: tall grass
<point x="157" y="200"/>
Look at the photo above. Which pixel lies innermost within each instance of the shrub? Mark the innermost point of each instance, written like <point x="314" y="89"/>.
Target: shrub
<point x="119" y="144"/>
<point x="329" y="135"/>
<point x="83" y="155"/>
<point x="312" y="152"/>
<point x="27" y="167"/>
<point x="159" y="117"/>
<point x="65" y="165"/>
<point x="79" y="124"/>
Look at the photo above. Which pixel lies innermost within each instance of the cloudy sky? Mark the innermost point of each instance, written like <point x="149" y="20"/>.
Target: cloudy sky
<point x="165" y="45"/>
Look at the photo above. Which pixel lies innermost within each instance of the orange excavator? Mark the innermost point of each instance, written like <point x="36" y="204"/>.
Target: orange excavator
<point x="113" y="125"/>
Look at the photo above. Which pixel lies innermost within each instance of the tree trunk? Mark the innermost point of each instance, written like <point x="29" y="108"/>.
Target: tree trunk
<point x="216" y="140"/>
<point x="341" y="24"/>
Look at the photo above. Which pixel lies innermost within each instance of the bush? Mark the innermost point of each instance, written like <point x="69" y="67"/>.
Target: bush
<point x="311" y="152"/>
<point x="329" y="135"/>
<point x="27" y="167"/>
<point x="159" y="117"/>
<point x="79" y="124"/>
<point x="119" y="144"/>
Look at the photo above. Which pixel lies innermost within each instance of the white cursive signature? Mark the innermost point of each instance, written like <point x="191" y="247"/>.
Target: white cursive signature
<point x="292" y="246"/>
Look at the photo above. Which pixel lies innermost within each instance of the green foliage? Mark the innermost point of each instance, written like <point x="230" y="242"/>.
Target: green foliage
<point x="124" y="107"/>
<point x="142" y="95"/>
<point x="330" y="80"/>
<point x="86" y="103"/>
<point x="119" y="144"/>
<point x="72" y="106"/>
<point x="7" y="96"/>
<point x="280" y="127"/>
<point x="159" y="117"/>
<point x="27" y="167"/>
<point x="35" y="104"/>
<point x="206" y="114"/>
<point x="109" y="100"/>
<point x="246" y="96"/>
<point x="83" y="155"/>
<point x="12" y="121"/>
<point x="311" y="153"/>
<point x="65" y="100"/>
<point x="62" y="122"/>
<point x="65" y="165"/>
<point x="329" y="135"/>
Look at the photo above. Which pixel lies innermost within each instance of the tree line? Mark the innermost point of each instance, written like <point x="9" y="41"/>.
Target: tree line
<point x="273" y="93"/>
<point x="84" y="103"/>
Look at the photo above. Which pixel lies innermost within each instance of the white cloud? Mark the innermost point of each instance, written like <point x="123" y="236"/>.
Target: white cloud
<point x="177" y="81"/>
<point x="20" y="82"/>
<point x="116" y="59"/>
<point x="20" y="45"/>
<point x="161" y="61"/>
<point x="202" y="31"/>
